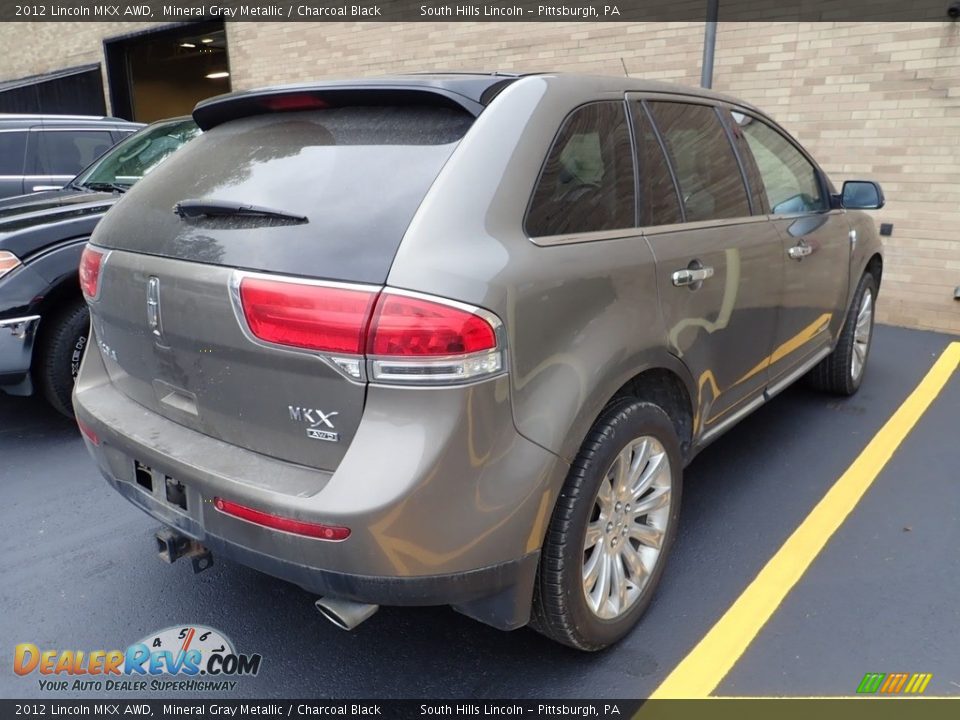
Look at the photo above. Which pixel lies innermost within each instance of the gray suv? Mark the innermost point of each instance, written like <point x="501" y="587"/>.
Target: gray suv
<point x="451" y="339"/>
<point x="45" y="152"/>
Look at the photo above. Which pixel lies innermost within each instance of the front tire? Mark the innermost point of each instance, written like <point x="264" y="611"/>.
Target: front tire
<point x="611" y="530"/>
<point x="61" y="350"/>
<point x="841" y="372"/>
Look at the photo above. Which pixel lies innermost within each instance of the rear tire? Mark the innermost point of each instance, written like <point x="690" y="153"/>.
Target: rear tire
<point x="842" y="371"/>
<point x="61" y="350"/>
<point x="595" y="527"/>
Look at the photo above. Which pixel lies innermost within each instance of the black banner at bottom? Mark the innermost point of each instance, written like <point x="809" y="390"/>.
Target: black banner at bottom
<point x="874" y="708"/>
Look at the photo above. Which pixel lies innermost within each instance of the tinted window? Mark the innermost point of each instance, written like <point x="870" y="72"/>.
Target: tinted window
<point x="789" y="179"/>
<point x="587" y="181"/>
<point x="710" y="180"/>
<point x="67" y="152"/>
<point x="13" y="145"/>
<point x="659" y="202"/>
<point x="358" y="174"/>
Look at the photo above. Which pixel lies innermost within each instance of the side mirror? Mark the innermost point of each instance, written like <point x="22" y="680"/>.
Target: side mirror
<point x="861" y="195"/>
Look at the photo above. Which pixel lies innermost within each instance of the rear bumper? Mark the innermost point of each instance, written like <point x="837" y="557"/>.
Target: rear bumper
<point x="451" y="511"/>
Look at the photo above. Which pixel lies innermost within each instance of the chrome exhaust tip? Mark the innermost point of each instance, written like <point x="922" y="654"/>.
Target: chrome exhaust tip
<point x="345" y="614"/>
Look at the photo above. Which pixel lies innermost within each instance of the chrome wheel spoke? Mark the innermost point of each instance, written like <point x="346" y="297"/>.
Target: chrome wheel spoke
<point x="600" y="593"/>
<point x="639" y="455"/>
<point x="619" y="584"/>
<point x="650" y="473"/>
<point x="605" y="497"/>
<point x="659" y="498"/>
<point x="591" y="570"/>
<point x="621" y="471"/>
<point x="646" y="535"/>
<point x="594" y="534"/>
<point x="634" y="563"/>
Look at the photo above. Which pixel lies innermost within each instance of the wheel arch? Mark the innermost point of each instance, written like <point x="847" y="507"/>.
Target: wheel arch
<point x="666" y="388"/>
<point x="874" y="266"/>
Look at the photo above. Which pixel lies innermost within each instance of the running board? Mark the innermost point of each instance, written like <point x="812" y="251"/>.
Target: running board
<point x="768" y="394"/>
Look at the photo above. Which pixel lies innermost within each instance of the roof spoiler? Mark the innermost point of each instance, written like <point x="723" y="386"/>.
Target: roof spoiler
<point x="223" y="108"/>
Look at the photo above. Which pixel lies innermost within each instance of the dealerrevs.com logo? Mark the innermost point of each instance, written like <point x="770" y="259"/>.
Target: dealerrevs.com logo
<point x="191" y="657"/>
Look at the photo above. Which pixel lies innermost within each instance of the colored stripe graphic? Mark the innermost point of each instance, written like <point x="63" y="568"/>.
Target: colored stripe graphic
<point x="894" y="683"/>
<point x="870" y="683"/>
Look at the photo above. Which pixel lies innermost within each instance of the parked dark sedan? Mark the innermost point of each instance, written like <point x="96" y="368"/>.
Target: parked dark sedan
<point x="43" y="319"/>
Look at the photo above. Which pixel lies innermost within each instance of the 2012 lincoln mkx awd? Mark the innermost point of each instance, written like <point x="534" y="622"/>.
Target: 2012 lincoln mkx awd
<point x="451" y="339"/>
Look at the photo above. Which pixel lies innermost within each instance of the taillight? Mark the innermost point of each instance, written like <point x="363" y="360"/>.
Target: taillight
<point x="91" y="261"/>
<point x="415" y="340"/>
<point x="407" y="326"/>
<point x="399" y="337"/>
<point x="88" y="432"/>
<point x="278" y="522"/>
<point x="316" y="317"/>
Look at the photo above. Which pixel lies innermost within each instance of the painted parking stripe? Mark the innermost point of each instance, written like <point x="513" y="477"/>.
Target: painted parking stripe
<point x="702" y="670"/>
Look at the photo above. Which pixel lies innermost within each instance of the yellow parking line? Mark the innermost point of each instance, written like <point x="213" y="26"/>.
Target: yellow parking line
<point x="701" y="671"/>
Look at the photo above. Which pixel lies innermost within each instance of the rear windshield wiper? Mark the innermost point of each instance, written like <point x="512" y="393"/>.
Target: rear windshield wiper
<point x="226" y="208"/>
<point x="115" y="187"/>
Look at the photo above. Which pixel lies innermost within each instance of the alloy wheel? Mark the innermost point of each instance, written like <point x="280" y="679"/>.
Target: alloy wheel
<point x="861" y="335"/>
<point x="627" y="528"/>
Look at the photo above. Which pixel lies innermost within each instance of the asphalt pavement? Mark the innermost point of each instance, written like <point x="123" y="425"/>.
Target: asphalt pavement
<point x="79" y="570"/>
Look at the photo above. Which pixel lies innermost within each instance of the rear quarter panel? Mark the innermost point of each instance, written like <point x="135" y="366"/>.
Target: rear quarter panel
<point x="581" y="319"/>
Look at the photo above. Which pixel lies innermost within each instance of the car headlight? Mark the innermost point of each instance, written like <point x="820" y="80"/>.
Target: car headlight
<point x="8" y="262"/>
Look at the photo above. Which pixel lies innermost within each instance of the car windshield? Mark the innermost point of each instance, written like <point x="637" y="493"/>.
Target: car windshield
<point x="133" y="158"/>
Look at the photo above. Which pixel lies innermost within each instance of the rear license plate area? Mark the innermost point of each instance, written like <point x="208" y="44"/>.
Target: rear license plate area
<point x="160" y="486"/>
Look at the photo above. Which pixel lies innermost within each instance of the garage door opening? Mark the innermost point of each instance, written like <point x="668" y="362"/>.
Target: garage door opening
<point x="164" y="73"/>
<point x="73" y="91"/>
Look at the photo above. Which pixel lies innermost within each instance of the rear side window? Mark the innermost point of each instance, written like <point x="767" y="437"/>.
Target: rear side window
<point x="789" y="179"/>
<point x="659" y="202"/>
<point x="13" y="146"/>
<point x="707" y="170"/>
<point x="586" y="183"/>
<point x="67" y="152"/>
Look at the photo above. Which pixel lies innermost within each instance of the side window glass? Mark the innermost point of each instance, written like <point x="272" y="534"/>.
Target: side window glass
<point x="67" y="152"/>
<point x="13" y="147"/>
<point x="789" y="179"/>
<point x="587" y="181"/>
<point x="659" y="202"/>
<point x="710" y="180"/>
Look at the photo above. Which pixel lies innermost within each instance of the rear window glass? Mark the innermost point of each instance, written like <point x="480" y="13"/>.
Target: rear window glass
<point x="587" y="180"/>
<point x="358" y="174"/>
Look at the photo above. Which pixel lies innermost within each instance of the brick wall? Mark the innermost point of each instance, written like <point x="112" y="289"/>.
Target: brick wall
<point x="877" y="100"/>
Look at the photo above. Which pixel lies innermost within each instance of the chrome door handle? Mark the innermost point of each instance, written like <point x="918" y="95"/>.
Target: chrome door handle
<point x="688" y="276"/>
<point x="799" y="252"/>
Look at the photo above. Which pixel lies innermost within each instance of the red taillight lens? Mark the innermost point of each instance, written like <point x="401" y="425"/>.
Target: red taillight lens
<point x="407" y="338"/>
<point x="404" y="326"/>
<point x="307" y="316"/>
<point x="276" y="522"/>
<point x="88" y="432"/>
<point x="90" y="263"/>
